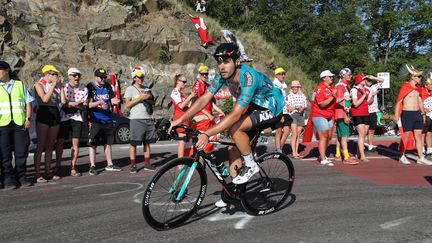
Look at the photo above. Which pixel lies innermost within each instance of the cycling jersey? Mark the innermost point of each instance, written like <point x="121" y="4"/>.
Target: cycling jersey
<point x="252" y="87"/>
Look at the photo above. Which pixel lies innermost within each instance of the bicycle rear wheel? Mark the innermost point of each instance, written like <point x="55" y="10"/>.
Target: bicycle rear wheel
<point x="170" y="199"/>
<point x="267" y="190"/>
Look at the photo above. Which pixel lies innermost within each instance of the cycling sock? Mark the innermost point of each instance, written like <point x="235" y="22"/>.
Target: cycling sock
<point x="346" y="154"/>
<point x="338" y="152"/>
<point x="133" y="162"/>
<point x="249" y="160"/>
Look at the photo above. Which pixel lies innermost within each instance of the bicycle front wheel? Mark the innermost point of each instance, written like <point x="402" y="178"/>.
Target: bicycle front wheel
<point x="267" y="190"/>
<point x="174" y="193"/>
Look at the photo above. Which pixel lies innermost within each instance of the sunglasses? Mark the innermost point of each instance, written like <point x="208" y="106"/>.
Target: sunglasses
<point x="283" y="74"/>
<point x="419" y="76"/>
<point x="76" y="75"/>
<point x="103" y="77"/>
<point x="142" y="77"/>
<point x="204" y="74"/>
<point x="53" y="74"/>
<point x="184" y="81"/>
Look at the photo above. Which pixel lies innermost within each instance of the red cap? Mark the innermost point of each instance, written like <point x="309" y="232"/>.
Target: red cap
<point x="359" y="77"/>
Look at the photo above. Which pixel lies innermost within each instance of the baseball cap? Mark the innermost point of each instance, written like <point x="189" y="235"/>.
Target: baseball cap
<point x="4" y="64"/>
<point x="279" y="70"/>
<point x="137" y="71"/>
<point x="73" y="70"/>
<point x="49" y="68"/>
<point x="100" y="72"/>
<point x="203" y="69"/>
<point x="326" y="73"/>
<point x="359" y="77"/>
<point x="344" y="71"/>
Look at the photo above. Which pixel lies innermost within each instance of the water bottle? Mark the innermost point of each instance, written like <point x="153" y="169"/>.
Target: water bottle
<point x="220" y="166"/>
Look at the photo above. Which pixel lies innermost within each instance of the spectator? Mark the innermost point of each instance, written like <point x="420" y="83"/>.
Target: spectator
<point x="71" y="118"/>
<point x="282" y="128"/>
<point x="426" y="94"/>
<point x="48" y="94"/>
<point x="322" y="113"/>
<point x="181" y="104"/>
<point x="140" y="100"/>
<point x="15" y="121"/>
<point x="231" y="38"/>
<point x="101" y="131"/>
<point x="342" y="107"/>
<point x="360" y="112"/>
<point x="203" y="120"/>
<point x="296" y="103"/>
<point x="373" y="108"/>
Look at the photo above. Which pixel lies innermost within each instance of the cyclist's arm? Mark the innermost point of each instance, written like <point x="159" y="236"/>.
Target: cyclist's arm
<point x="228" y="121"/>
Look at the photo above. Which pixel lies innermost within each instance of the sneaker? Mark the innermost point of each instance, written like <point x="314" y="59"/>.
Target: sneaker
<point x="220" y="204"/>
<point x="148" y="166"/>
<point x="279" y="150"/>
<point x="24" y="182"/>
<point x="9" y="186"/>
<point x="113" y="168"/>
<point x="350" y="161"/>
<point x="93" y="170"/>
<point x="246" y="174"/>
<point x="327" y="162"/>
<point x="403" y="160"/>
<point x="424" y="161"/>
<point x="133" y="169"/>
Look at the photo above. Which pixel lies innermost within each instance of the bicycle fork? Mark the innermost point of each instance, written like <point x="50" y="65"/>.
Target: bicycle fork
<point x="179" y="178"/>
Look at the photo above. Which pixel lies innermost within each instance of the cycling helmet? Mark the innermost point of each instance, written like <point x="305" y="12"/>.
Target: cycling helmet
<point x="227" y="50"/>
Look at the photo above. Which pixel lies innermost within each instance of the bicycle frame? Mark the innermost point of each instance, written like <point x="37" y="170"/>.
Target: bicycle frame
<point x="208" y="160"/>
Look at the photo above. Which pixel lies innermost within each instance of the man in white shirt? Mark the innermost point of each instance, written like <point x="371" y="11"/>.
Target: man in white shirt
<point x="373" y="108"/>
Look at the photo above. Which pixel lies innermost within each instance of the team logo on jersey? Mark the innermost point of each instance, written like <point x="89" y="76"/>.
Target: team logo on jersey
<point x="248" y="78"/>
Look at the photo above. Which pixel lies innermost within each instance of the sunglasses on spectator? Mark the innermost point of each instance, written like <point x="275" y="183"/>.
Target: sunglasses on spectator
<point x="75" y="75"/>
<point x="204" y="74"/>
<point x="419" y="76"/>
<point x="184" y="81"/>
<point x="103" y="77"/>
<point x="53" y="74"/>
<point x="283" y="74"/>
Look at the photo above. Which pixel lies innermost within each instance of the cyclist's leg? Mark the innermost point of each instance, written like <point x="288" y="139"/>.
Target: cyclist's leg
<point x="234" y="160"/>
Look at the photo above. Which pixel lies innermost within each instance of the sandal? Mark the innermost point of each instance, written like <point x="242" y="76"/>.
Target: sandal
<point x="40" y="179"/>
<point x="75" y="173"/>
<point x="54" y="177"/>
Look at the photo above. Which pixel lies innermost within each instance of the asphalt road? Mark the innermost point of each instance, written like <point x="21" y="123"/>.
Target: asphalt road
<point x="327" y="205"/>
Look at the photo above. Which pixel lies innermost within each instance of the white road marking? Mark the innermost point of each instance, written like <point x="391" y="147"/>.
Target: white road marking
<point x="244" y="219"/>
<point x="395" y="223"/>
<point x="369" y="157"/>
<point x="139" y="186"/>
<point x="137" y="199"/>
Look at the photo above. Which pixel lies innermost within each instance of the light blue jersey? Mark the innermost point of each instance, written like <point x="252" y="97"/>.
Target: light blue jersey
<point x="253" y="87"/>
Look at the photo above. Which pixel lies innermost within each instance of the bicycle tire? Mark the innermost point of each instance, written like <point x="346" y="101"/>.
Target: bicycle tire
<point x="159" y="199"/>
<point x="261" y="196"/>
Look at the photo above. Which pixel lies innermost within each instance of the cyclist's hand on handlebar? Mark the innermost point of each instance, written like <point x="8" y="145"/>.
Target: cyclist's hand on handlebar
<point x="203" y="140"/>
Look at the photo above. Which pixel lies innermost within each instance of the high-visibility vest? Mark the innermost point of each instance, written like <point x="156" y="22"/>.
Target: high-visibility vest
<point x="12" y="106"/>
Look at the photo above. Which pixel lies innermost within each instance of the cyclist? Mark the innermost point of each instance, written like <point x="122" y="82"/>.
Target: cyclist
<point x="258" y="105"/>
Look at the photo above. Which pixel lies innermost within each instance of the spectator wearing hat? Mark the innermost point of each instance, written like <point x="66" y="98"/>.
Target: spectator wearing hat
<point x="15" y="121"/>
<point x="296" y="103"/>
<point x="342" y="108"/>
<point x="373" y="108"/>
<point x="100" y="100"/>
<point x="409" y="109"/>
<point x="181" y="104"/>
<point x="139" y="100"/>
<point x="360" y="112"/>
<point x="204" y="119"/>
<point x="75" y="95"/>
<point x="282" y="128"/>
<point x="48" y="96"/>
<point x="426" y="95"/>
<point x="322" y="114"/>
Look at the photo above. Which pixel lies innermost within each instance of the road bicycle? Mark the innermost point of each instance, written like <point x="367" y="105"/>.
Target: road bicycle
<point x="176" y="191"/>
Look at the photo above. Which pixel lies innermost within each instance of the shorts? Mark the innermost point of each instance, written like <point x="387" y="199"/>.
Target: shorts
<point x="342" y="129"/>
<point x="142" y="131"/>
<point x="428" y="126"/>
<point x="262" y="118"/>
<point x="101" y="134"/>
<point x="322" y="124"/>
<point x="373" y="122"/>
<point x="48" y="115"/>
<point x="70" y="127"/>
<point x="298" y="119"/>
<point x="358" y="120"/>
<point x="411" y="120"/>
<point x="286" y="122"/>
